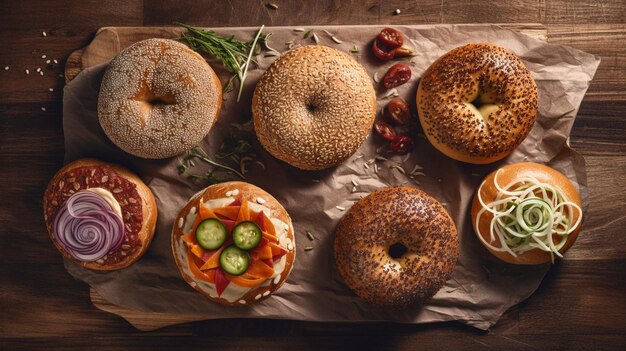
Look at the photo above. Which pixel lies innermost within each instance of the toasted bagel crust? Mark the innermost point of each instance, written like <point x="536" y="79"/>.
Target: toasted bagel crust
<point x="484" y="75"/>
<point x="314" y="107"/>
<point x="386" y="217"/>
<point x="509" y="174"/>
<point x="148" y="207"/>
<point x="158" y="98"/>
<point x="246" y="192"/>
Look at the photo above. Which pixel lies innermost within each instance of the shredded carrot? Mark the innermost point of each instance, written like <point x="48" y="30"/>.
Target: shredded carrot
<point x="262" y="253"/>
<point x="197" y="250"/>
<point x="246" y="281"/>
<point x="260" y="269"/>
<point x="277" y="250"/>
<point x="230" y="212"/>
<point x="190" y="239"/>
<point x="210" y="278"/>
<point x="213" y="261"/>
<point x="244" y="212"/>
<point x="269" y="226"/>
<point x="271" y="238"/>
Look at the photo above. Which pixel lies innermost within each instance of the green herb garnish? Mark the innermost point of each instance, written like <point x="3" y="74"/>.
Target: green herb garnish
<point x="197" y="153"/>
<point x="235" y="54"/>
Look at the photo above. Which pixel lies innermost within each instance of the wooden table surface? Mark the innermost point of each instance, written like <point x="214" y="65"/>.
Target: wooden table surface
<point x="580" y="305"/>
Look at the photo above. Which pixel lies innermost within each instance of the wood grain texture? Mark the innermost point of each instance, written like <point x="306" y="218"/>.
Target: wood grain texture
<point x="580" y="304"/>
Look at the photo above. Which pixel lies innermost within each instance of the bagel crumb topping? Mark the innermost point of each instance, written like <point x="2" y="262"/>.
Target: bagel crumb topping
<point x="158" y="98"/>
<point x="314" y="107"/>
<point x="376" y="226"/>
<point x="477" y="103"/>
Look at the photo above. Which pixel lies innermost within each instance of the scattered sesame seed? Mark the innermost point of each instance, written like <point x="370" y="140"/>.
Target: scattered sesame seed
<point x="299" y="29"/>
<point x="229" y="193"/>
<point x="235" y="192"/>
<point x="375" y="168"/>
<point x="44" y="34"/>
<point x="315" y="180"/>
<point x="50" y="89"/>
<point x="315" y="38"/>
<point x="308" y="248"/>
<point x="289" y="246"/>
<point x="43" y="56"/>
<point x="60" y="75"/>
<point x="310" y="235"/>
<point x="336" y="40"/>
<point x="47" y="61"/>
<point x="376" y="79"/>
<point x="27" y="72"/>
<point x="365" y="165"/>
<point x="41" y="73"/>
<point x="353" y="188"/>
<point x="6" y="68"/>
<point x="440" y="180"/>
<point x="340" y="208"/>
<point x="260" y="200"/>
<point x="55" y="61"/>
<point x="43" y="109"/>
<point x="396" y="12"/>
<point x="38" y="69"/>
<point x="354" y="183"/>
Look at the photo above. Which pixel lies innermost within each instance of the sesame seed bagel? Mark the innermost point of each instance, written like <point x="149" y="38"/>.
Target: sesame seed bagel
<point x="158" y="98"/>
<point x="477" y="103"/>
<point x="314" y="107"/>
<point x="396" y="247"/>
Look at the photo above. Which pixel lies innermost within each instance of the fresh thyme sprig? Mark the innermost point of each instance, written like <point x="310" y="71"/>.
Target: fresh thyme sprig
<point x="197" y="153"/>
<point x="236" y="55"/>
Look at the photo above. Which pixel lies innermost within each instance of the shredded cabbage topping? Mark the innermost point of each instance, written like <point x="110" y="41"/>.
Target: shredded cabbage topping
<point x="528" y="214"/>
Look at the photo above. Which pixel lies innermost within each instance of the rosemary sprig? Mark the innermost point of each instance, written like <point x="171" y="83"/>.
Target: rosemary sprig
<point x="235" y="54"/>
<point x="233" y="145"/>
<point x="197" y="153"/>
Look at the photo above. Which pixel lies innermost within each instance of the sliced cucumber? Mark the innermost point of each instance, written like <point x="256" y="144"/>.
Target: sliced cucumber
<point x="211" y="233"/>
<point x="234" y="260"/>
<point x="247" y="235"/>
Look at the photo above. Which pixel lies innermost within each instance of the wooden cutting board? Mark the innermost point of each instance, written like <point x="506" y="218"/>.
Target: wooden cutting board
<point x="107" y="42"/>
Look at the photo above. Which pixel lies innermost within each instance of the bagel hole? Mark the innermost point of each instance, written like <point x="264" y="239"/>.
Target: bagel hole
<point x="155" y="100"/>
<point x="311" y="107"/>
<point x="397" y="250"/>
<point x="477" y="102"/>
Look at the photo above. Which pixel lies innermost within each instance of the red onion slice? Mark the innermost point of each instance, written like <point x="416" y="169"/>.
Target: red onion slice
<point x="87" y="227"/>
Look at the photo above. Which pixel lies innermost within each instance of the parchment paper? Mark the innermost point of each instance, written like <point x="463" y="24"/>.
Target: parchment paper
<point x="482" y="288"/>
